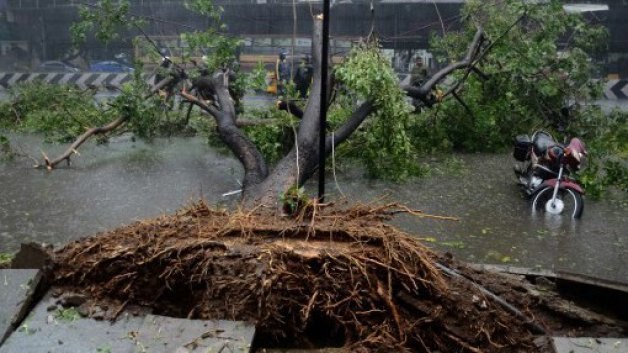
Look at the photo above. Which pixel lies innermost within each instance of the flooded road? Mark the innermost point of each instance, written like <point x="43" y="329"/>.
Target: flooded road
<point x="496" y="225"/>
<point x="123" y="181"/>
<point x="108" y="185"/>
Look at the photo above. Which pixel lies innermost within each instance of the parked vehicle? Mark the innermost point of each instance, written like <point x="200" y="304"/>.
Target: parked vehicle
<point x="544" y="167"/>
<point x="57" y="66"/>
<point x="110" y="66"/>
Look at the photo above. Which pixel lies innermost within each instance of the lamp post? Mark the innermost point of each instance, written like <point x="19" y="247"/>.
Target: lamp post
<point x="323" y="110"/>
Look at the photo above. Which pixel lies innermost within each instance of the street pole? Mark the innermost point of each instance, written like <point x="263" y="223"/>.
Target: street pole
<point x="323" y="111"/>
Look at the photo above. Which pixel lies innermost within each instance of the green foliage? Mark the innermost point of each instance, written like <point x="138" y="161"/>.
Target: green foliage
<point x="220" y="49"/>
<point x="144" y="114"/>
<point x="205" y="8"/>
<point x="5" y="259"/>
<point x="105" y="19"/>
<point x="293" y="200"/>
<point x="272" y="140"/>
<point x="6" y="152"/>
<point x="539" y="61"/>
<point x="104" y="349"/>
<point x="67" y="315"/>
<point x="257" y="77"/>
<point x="386" y="149"/>
<point x="607" y="163"/>
<point x="60" y="112"/>
<point x="531" y="75"/>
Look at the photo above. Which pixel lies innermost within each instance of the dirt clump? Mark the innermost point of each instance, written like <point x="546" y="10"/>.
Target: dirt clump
<point x="341" y="278"/>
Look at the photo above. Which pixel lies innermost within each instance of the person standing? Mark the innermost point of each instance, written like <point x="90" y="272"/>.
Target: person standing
<point x="282" y="72"/>
<point x="303" y="77"/>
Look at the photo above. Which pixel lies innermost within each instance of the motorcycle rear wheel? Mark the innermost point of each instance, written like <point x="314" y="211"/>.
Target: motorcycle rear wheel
<point x="570" y="201"/>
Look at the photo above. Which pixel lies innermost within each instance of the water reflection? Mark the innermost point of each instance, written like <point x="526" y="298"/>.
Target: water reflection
<point x="117" y="183"/>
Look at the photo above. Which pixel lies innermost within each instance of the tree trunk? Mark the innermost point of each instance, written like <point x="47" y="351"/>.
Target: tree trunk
<point x="300" y="163"/>
<point x="262" y="188"/>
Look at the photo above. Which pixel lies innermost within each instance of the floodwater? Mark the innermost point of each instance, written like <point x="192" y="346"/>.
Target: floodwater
<point x="123" y="181"/>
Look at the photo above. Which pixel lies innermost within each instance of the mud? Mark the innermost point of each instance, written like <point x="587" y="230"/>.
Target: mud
<point x="337" y="278"/>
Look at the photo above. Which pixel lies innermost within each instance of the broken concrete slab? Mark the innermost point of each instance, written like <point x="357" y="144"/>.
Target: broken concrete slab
<point x="65" y="331"/>
<point x="165" y="334"/>
<point x="590" y="345"/>
<point x="17" y="290"/>
<point x="53" y="328"/>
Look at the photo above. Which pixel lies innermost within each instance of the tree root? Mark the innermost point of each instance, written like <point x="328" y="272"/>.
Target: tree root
<point x="344" y="275"/>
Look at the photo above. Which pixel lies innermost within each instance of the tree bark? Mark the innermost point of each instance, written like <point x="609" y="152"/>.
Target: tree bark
<point x="301" y="162"/>
<point x="223" y="112"/>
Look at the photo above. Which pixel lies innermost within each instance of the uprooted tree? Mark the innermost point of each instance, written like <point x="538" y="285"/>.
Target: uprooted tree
<point x="329" y="277"/>
<point x="263" y="183"/>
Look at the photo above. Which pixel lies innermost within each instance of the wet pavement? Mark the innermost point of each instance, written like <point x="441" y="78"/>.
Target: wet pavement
<point x="589" y="345"/>
<point x="52" y="328"/>
<point x="123" y="181"/>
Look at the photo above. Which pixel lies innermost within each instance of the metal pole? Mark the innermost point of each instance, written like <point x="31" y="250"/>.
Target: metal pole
<point x="323" y="112"/>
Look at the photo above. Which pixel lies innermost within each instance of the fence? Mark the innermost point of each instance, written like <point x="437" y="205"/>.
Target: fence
<point x="613" y="89"/>
<point x="109" y="81"/>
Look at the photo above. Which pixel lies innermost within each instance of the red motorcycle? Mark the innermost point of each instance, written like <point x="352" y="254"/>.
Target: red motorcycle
<point x="544" y="170"/>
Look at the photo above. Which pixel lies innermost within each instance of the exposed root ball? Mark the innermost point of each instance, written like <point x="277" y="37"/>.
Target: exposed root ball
<point x="342" y="278"/>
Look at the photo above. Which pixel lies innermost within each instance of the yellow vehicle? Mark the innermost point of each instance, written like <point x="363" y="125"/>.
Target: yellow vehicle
<point x="271" y="78"/>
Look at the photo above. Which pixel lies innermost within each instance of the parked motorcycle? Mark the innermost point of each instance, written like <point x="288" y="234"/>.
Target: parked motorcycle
<point x="544" y="167"/>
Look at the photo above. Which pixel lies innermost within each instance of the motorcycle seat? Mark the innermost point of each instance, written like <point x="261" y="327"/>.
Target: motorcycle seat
<point x="541" y="141"/>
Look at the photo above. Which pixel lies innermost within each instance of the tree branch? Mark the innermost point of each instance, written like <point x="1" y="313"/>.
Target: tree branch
<point x="244" y="122"/>
<point x="349" y="127"/>
<point x="291" y="107"/>
<point x="255" y="167"/>
<point x="81" y="139"/>
<point x="73" y="149"/>
<point x="423" y="93"/>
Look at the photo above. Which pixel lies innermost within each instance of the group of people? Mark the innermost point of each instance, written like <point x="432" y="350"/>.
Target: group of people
<point x="302" y="75"/>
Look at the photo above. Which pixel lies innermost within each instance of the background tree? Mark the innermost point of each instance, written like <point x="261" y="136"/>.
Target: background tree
<point x="540" y="61"/>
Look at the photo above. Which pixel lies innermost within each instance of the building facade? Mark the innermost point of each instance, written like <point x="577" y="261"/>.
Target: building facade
<point x="41" y="27"/>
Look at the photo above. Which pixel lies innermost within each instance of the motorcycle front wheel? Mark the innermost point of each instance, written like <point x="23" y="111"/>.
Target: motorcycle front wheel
<point x="568" y="202"/>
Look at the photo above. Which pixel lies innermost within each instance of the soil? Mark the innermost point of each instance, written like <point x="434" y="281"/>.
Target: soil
<point x="333" y="278"/>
